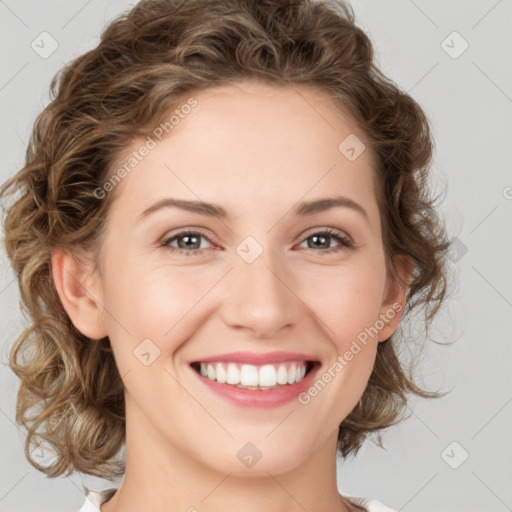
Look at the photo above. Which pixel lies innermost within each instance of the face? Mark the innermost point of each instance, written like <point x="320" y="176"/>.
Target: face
<point x="269" y="275"/>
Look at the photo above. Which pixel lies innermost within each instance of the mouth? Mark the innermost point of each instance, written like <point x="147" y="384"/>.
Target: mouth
<point x="255" y="377"/>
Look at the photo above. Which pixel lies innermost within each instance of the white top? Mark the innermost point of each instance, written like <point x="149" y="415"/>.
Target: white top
<point x="94" y="499"/>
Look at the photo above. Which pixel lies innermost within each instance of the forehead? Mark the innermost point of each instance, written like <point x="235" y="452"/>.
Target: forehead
<point x="263" y="142"/>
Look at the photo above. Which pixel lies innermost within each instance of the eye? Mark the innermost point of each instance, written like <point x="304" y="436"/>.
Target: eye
<point x="322" y="238"/>
<point x="189" y="242"/>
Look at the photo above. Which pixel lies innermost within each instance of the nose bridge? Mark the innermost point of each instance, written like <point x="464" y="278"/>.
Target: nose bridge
<point x="260" y="297"/>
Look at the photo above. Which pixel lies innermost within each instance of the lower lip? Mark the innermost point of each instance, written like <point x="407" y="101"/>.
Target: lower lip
<point x="266" y="398"/>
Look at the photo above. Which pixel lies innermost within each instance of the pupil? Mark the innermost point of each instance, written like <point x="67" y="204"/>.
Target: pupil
<point x="187" y="237"/>
<point x="322" y="237"/>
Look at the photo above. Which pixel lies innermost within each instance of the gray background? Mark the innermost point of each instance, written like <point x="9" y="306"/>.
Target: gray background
<point x="468" y="99"/>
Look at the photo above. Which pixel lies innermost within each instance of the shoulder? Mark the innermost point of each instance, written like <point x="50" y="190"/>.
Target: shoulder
<point x="367" y="504"/>
<point x="93" y="499"/>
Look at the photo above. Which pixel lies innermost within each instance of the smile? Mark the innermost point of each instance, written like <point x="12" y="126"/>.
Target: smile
<point x="248" y="376"/>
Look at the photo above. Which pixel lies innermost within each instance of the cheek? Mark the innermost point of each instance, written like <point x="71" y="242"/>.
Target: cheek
<point x="346" y="301"/>
<point x="157" y="304"/>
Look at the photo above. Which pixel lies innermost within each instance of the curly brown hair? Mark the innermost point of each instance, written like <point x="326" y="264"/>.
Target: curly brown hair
<point x="146" y="61"/>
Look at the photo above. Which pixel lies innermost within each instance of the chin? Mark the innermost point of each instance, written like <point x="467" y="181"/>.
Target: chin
<point x="258" y="459"/>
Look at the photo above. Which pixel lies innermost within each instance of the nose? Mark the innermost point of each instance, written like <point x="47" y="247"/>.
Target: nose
<point x="260" y="299"/>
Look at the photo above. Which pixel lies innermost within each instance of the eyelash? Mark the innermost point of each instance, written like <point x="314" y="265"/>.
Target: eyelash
<point x="344" y="242"/>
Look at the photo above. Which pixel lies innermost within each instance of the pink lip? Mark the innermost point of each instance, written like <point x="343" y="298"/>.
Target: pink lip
<point x="255" y="358"/>
<point x="260" y="398"/>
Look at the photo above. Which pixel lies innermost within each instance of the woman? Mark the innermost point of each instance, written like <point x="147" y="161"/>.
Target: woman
<point x="223" y="219"/>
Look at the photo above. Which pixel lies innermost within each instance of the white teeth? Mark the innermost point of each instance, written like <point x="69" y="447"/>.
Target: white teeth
<point x="292" y="373"/>
<point x="267" y="376"/>
<point x="251" y="376"/>
<point x="282" y="375"/>
<point x="221" y="373"/>
<point x="233" y="374"/>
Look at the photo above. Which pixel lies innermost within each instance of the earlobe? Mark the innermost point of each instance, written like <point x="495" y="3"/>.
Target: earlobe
<point x="79" y="293"/>
<point x="394" y="304"/>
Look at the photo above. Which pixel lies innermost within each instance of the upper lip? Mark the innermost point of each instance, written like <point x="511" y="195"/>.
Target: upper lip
<point x="255" y="358"/>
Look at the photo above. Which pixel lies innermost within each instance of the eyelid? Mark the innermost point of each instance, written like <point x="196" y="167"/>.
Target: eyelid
<point x="184" y="230"/>
<point x="328" y="229"/>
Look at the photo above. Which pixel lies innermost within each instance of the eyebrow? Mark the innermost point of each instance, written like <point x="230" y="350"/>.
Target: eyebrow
<point x="212" y="210"/>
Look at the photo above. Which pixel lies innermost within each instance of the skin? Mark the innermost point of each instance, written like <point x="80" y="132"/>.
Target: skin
<point x="256" y="150"/>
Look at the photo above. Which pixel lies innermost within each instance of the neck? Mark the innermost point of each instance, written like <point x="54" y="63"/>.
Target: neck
<point x="160" y="476"/>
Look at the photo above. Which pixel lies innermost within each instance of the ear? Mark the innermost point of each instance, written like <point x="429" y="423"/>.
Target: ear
<point x="80" y="293"/>
<point x="393" y="306"/>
